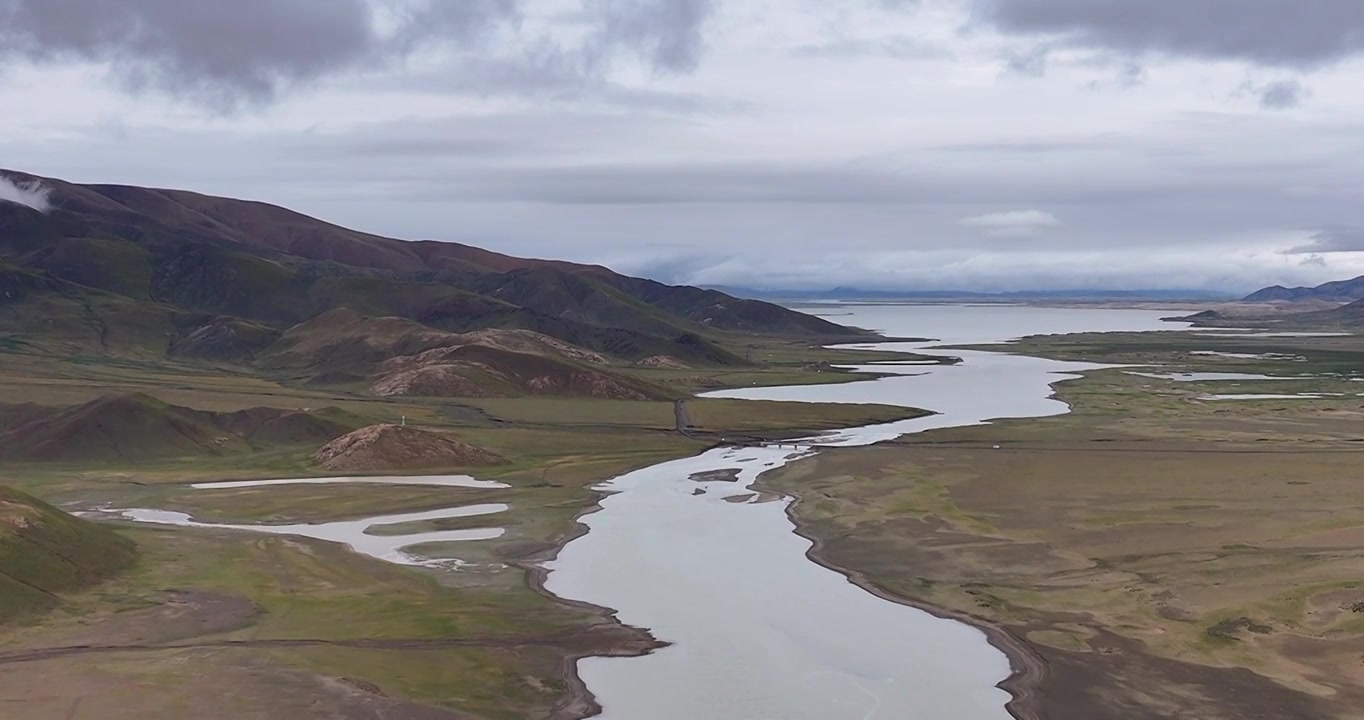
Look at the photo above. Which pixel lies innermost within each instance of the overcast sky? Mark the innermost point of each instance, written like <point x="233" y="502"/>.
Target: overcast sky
<point x="910" y="144"/>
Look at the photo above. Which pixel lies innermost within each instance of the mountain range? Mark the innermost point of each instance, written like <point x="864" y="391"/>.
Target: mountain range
<point x="854" y="293"/>
<point x="140" y="272"/>
<point x="1337" y="291"/>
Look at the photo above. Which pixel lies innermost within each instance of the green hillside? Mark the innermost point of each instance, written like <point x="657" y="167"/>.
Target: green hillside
<point x="45" y="552"/>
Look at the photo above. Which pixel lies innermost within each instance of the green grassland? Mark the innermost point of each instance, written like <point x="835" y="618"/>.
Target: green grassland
<point x="45" y="552"/>
<point x="479" y="640"/>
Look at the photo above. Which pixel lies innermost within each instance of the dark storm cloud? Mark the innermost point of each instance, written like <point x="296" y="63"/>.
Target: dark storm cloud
<point x="1340" y="238"/>
<point x="1301" y="34"/>
<point x="248" y="51"/>
<point x="226" y="52"/>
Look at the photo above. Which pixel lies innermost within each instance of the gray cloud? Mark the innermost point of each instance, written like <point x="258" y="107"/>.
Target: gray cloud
<point x="1282" y="33"/>
<point x="1031" y="62"/>
<point x="667" y="33"/>
<point x="1281" y="95"/>
<point x="1014" y="223"/>
<point x="897" y="47"/>
<point x="1335" y="239"/>
<point x="227" y="54"/>
<point x="550" y="72"/>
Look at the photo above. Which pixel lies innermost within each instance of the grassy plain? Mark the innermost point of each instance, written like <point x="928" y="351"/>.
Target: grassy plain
<point x="1153" y="554"/>
<point x="285" y="627"/>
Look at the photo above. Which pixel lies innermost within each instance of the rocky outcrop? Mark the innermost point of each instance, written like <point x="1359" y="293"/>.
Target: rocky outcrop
<point x="387" y="448"/>
<point x="483" y="371"/>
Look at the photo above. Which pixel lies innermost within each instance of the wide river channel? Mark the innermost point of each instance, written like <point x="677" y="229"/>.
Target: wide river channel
<point x="760" y="632"/>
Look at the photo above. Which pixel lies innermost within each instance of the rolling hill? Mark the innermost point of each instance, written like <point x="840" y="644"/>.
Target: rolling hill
<point x="44" y="552"/>
<point x="1349" y="316"/>
<point x="136" y="428"/>
<point x="146" y="272"/>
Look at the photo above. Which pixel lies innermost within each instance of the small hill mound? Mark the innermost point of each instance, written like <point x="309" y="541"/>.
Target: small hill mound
<point x="44" y="551"/>
<point x="265" y="426"/>
<point x="480" y="371"/>
<point x="383" y="448"/>
<point x="133" y="428"/>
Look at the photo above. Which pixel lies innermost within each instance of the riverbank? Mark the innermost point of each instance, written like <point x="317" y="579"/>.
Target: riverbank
<point x="579" y="702"/>
<point x="1153" y="554"/>
<point x="1028" y="668"/>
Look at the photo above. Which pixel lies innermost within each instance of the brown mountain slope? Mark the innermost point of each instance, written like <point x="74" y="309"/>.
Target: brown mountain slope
<point x="268" y="264"/>
<point x="345" y="339"/>
<point x="344" y="342"/>
<point x="482" y="371"/>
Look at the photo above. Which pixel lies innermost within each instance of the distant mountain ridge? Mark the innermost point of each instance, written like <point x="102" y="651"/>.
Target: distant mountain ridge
<point x="1336" y="291"/>
<point x="852" y="293"/>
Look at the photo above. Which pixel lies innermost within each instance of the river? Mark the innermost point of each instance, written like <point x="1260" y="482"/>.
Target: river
<point x="758" y="631"/>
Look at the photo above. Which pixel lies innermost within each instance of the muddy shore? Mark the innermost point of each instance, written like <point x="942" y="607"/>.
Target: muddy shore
<point x="620" y="640"/>
<point x="1028" y="668"/>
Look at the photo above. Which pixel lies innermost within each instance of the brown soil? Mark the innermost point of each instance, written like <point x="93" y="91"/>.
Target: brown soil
<point x="666" y="362"/>
<point x="193" y="683"/>
<point x="528" y="341"/>
<point x="380" y="448"/>
<point x="436" y="380"/>
<point x="484" y="371"/>
<point x="180" y="615"/>
<point x="367" y="341"/>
